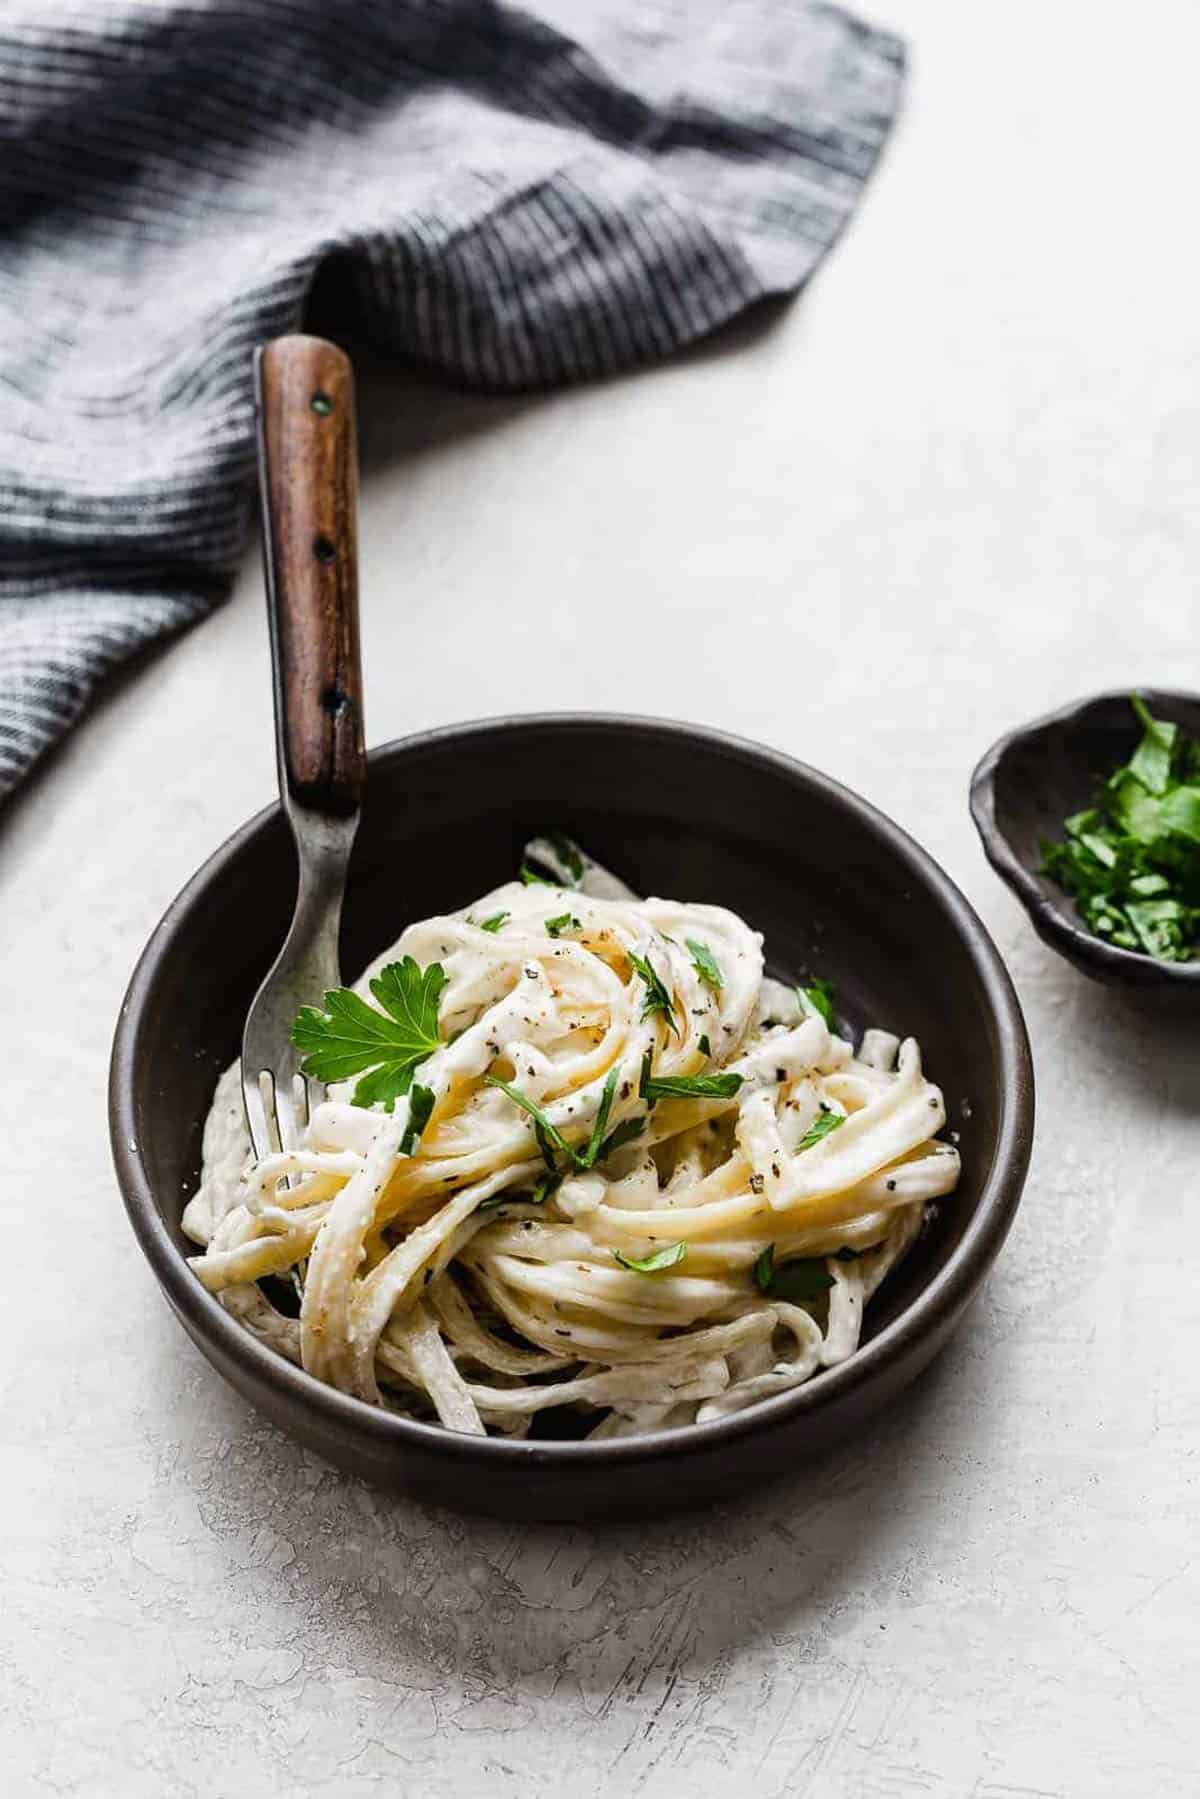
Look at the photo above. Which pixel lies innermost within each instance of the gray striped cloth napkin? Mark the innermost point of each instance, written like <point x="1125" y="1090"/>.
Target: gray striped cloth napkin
<point x="509" y="195"/>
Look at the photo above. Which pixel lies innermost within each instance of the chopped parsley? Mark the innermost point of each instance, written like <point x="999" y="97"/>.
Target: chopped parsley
<point x="799" y="1281"/>
<point x="705" y="1045"/>
<point x="706" y="966"/>
<point x="669" y="1256"/>
<point x="420" y="1107"/>
<point x="1131" y="861"/>
<point x="550" y="1139"/>
<point x="624" y="1133"/>
<point x="820" y="997"/>
<point x="549" y="1183"/>
<point x="568" y="854"/>
<point x="591" y="1155"/>
<point x="691" y="1086"/>
<point x="494" y="923"/>
<point x="658" y="999"/>
<point x="566" y="921"/>
<point x="825" y="1121"/>
<point x="384" y="1047"/>
<point x="556" y="853"/>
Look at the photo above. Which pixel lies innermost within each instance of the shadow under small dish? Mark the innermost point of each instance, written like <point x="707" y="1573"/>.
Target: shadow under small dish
<point x="1038" y="776"/>
<point x="835" y="888"/>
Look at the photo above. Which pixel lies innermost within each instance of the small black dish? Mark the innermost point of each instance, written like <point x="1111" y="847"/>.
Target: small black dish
<point x="837" y="889"/>
<point x="1023" y="789"/>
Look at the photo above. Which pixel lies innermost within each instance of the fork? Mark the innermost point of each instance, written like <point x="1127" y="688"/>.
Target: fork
<point x="308" y="473"/>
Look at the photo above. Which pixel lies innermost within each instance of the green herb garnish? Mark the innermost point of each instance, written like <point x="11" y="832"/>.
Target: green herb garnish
<point x="551" y="1139"/>
<point x="563" y="852"/>
<point x="420" y="1107"/>
<point x="624" y="1133"/>
<point x="821" y="997"/>
<point x="588" y="1157"/>
<point x="705" y="1045"/>
<point x="568" y="854"/>
<point x="495" y="921"/>
<point x="549" y="1183"/>
<point x="565" y="921"/>
<point x="691" y="1086"/>
<point x="764" y="1269"/>
<point x="668" y="1257"/>
<point x="799" y="1281"/>
<point x="657" y="1000"/>
<point x="706" y="966"/>
<point x="825" y="1121"/>
<point x="384" y="1047"/>
<point x="1131" y="861"/>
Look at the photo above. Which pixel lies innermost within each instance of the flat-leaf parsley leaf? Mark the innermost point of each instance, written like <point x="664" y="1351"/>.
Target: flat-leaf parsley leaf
<point x="657" y="999"/>
<point x="821" y="997"/>
<point x="384" y="1047"/>
<point x="668" y="1257"/>
<point x="624" y="1133"/>
<point x="691" y="1086"/>
<point x="566" y="921"/>
<point x="706" y="965"/>
<point x="798" y="1281"/>
<point x="825" y="1121"/>
<point x="420" y="1108"/>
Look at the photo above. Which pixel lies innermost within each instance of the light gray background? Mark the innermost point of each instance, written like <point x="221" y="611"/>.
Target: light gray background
<point x="956" y="484"/>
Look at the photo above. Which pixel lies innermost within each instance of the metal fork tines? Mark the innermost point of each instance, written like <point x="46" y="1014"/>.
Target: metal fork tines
<point x="309" y="481"/>
<point x="279" y="1098"/>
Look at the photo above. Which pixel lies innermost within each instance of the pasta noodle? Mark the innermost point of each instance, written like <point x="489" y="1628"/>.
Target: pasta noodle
<point x="628" y="1237"/>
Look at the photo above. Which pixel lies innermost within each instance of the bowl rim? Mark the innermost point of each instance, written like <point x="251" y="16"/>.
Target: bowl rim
<point x="343" y="1414"/>
<point x="1053" y="919"/>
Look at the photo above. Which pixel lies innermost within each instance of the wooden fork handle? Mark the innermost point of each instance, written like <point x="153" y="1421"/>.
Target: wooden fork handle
<point x="308" y="470"/>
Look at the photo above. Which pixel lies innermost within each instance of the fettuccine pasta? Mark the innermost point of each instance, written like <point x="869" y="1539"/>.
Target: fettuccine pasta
<point x="696" y="1190"/>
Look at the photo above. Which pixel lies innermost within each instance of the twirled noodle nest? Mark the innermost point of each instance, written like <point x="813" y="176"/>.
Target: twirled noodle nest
<point x="433" y="1284"/>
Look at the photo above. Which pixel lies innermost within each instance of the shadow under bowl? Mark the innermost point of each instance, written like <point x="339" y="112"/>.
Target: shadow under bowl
<point x="836" y="889"/>
<point x="1037" y="776"/>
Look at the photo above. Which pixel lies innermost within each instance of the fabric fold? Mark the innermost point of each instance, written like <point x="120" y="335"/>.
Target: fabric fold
<point x="511" y="197"/>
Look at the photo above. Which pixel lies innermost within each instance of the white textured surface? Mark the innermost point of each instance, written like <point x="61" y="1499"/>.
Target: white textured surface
<point x="960" y="480"/>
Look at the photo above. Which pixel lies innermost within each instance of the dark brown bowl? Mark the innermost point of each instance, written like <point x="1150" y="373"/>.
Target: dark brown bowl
<point x="836" y="888"/>
<point x="1033" y="779"/>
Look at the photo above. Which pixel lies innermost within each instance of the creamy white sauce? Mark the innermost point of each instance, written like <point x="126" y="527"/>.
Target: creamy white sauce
<point x="407" y="1263"/>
